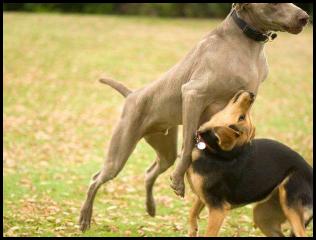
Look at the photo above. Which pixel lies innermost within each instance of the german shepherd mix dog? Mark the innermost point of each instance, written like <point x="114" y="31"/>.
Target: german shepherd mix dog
<point x="231" y="169"/>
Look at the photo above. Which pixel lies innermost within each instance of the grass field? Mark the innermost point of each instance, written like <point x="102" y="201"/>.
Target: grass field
<point x="58" y="119"/>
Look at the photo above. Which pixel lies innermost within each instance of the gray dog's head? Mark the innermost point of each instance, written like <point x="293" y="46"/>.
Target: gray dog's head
<point x="274" y="16"/>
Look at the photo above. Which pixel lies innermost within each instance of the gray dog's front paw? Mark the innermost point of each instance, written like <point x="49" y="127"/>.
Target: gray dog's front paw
<point x="177" y="186"/>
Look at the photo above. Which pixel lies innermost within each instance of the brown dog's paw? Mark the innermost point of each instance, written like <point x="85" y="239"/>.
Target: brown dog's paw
<point x="192" y="233"/>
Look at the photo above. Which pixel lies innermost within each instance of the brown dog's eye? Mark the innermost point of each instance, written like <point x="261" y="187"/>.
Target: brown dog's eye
<point x="241" y="118"/>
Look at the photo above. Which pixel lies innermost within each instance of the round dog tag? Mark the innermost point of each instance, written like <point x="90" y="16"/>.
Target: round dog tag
<point x="201" y="145"/>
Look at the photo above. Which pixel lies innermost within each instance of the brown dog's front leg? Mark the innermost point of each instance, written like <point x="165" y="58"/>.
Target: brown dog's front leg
<point x="193" y="105"/>
<point x="215" y="220"/>
<point x="193" y="218"/>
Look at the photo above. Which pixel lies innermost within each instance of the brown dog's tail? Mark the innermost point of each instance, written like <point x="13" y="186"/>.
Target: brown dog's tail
<point x="116" y="85"/>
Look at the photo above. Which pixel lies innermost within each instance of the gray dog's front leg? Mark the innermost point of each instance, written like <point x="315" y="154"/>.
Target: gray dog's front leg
<point x="193" y="105"/>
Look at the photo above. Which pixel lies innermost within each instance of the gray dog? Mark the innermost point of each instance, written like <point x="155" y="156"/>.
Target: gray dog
<point x="228" y="59"/>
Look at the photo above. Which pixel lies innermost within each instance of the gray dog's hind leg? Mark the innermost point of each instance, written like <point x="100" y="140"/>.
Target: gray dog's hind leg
<point x="166" y="149"/>
<point x="121" y="146"/>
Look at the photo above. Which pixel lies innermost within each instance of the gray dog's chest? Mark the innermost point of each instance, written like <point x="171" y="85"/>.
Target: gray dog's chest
<point x="246" y="77"/>
<point x="237" y="75"/>
<point x="243" y="71"/>
<point x="227" y="83"/>
<point x="227" y="69"/>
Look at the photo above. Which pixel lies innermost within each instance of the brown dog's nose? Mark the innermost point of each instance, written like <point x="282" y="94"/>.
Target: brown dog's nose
<point x="303" y="19"/>
<point x="252" y="95"/>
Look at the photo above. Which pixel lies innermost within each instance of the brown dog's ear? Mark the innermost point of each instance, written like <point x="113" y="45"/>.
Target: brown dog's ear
<point x="239" y="6"/>
<point x="252" y="134"/>
<point x="227" y="137"/>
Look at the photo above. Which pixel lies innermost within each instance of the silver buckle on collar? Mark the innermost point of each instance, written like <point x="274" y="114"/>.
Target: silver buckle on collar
<point x="200" y="144"/>
<point x="270" y="37"/>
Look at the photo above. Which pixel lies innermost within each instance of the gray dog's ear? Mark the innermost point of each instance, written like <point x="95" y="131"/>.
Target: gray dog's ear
<point x="239" y="6"/>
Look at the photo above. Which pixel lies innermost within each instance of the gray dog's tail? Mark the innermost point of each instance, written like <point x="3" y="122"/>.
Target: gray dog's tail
<point x="117" y="86"/>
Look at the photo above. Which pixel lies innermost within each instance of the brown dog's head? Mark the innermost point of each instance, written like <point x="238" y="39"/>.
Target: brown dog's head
<point x="231" y="126"/>
<point x="273" y="16"/>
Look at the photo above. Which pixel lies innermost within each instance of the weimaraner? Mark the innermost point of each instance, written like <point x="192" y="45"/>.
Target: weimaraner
<point x="228" y="59"/>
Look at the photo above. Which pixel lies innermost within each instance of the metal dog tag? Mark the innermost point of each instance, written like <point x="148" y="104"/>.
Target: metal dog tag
<point x="201" y="145"/>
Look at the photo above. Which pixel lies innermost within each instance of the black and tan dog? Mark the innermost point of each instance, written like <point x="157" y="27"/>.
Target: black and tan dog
<point x="230" y="169"/>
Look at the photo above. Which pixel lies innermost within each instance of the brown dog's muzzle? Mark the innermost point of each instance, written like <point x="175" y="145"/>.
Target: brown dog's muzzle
<point x="240" y="93"/>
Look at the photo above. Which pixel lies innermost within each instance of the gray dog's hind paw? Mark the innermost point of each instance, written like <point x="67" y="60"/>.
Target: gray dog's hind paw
<point x="151" y="208"/>
<point x="84" y="225"/>
<point x="151" y="211"/>
<point x="84" y="220"/>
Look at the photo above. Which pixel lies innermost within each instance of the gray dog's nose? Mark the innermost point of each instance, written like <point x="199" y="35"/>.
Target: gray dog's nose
<point x="303" y="19"/>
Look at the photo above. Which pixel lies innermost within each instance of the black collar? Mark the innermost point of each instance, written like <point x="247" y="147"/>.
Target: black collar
<point x="213" y="149"/>
<point x="250" y="31"/>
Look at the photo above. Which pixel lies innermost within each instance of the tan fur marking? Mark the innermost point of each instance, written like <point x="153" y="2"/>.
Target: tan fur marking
<point x="195" y="154"/>
<point x="216" y="217"/>
<point x="294" y="215"/>
<point x="194" y="212"/>
<point x="196" y="183"/>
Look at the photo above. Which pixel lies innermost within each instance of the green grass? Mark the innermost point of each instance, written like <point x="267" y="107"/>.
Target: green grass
<point x="58" y="119"/>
